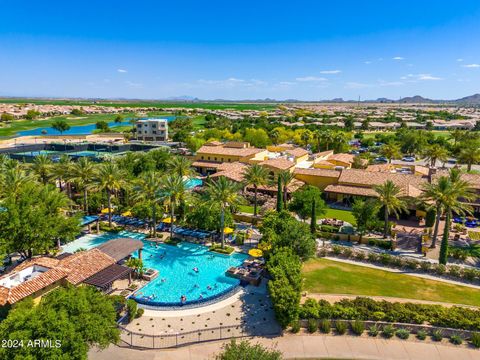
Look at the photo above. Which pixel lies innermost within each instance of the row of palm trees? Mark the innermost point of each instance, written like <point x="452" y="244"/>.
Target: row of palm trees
<point x="449" y="194"/>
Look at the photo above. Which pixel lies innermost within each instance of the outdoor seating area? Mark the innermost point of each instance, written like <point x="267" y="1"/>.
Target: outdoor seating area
<point x="332" y="222"/>
<point x="249" y="272"/>
<point x="469" y="222"/>
<point x="193" y="235"/>
<point x="127" y="220"/>
<point x="150" y="274"/>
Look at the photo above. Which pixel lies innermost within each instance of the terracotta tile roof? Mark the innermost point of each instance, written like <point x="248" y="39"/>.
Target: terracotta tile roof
<point x="279" y="163"/>
<point x="231" y="151"/>
<point x="44" y="261"/>
<point x="286" y="146"/>
<point x="233" y="171"/>
<point x="84" y="264"/>
<point x="318" y="172"/>
<point x="379" y="168"/>
<point x="323" y="154"/>
<point x="297" y="152"/>
<point x="351" y="190"/>
<point x="206" y="164"/>
<point x="294" y="185"/>
<point x="347" y="158"/>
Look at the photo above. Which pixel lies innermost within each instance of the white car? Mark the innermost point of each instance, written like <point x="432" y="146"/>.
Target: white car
<point x="408" y="158"/>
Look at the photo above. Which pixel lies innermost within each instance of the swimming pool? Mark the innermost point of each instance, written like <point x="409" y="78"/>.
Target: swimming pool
<point x="193" y="183"/>
<point x="177" y="276"/>
<point x="90" y="241"/>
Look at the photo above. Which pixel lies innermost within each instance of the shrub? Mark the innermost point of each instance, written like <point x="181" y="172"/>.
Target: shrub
<point x="437" y="335"/>
<point x="440" y="269"/>
<point x="421" y="334"/>
<point x="357" y="327"/>
<point x="475" y="339"/>
<point x="469" y="274"/>
<point x="139" y="313"/>
<point x="385" y="259"/>
<point x="388" y="331"/>
<point x="373" y="330"/>
<point x="312" y="325"/>
<point x="360" y="255"/>
<point x="456" y="339"/>
<point x="295" y="327"/>
<point x="425" y="266"/>
<point x="410" y="264"/>
<point x="430" y="218"/>
<point x="322" y="252"/>
<point x="454" y="270"/>
<point x="403" y="334"/>
<point x="340" y="327"/>
<point x="218" y="248"/>
<point x="397" y="261"/>
<point x="372" y="257"/>
<point x="337" y="250"/>
<point x="347" y="252"/>
<point x="329" y="228"/>
<point x="131" y="309"/>
<point x="325" y="326"/>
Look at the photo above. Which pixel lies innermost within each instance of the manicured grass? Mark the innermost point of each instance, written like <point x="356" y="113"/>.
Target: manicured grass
<point x="341" y="215"/>
<point x="246" y="209"/>
<point x="333" y="277"/>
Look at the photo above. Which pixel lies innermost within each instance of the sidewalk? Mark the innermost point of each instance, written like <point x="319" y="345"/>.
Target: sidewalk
<point x="309" y="346"/>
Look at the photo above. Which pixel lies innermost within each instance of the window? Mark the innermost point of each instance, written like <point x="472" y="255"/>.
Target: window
<point x="202" y="157"/>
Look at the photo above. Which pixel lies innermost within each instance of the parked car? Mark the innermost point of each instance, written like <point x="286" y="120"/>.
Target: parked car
<point x="381" y="159"/>
<point x="408" y="158"/>
<point x="452" y="161"/>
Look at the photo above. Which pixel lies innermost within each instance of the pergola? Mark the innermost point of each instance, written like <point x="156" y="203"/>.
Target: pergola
<point x="121" y="248"/>
<point x="105" y="278"/>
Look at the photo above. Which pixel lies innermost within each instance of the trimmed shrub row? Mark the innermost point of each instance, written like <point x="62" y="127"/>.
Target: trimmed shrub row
<point x="451" y="271"/>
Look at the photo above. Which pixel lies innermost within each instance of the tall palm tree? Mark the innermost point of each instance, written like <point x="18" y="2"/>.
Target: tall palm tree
<point x="434" y="195"/>
<point x="286" y="178"/>
<point x="41" y="167"/>
<point x="148" y="188"/>
<point x="435" y="152"/>
<point x="256" y="175"/>
<point x="173" y="187"/>
<point x="390" y="151"/>
<point x="389" y="196"/>
<point x="470" y="154"/>
<point x="180" y="165"/>
<point x="325" y="136"/>
<point x="458" y="190"/>
<point x="225" y="193"/>
<point x="12" y="180"/>
<point x="110" y="178"/>
<point x="60" y="171"/>
<point x="83" y="174"/>
<point x="456" y="135"/>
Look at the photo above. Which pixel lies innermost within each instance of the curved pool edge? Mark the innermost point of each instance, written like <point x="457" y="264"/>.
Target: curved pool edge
<point x="159" y="305"/>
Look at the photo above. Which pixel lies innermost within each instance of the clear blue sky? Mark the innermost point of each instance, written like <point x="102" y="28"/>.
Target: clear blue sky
<point x="301" y="49"/>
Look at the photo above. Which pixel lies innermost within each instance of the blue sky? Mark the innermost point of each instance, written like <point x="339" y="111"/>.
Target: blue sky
<point x="309" y="50"/>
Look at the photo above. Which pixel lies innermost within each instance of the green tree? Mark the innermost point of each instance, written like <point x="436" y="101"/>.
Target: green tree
<point x="42" y="168"/>
<point x="390" y="151"/>
<point x="148" y="189"/>
<point x="365" y="213"/>
<point x="469" y="153"/>
<point x="111" y="179"/>
<point x="203" y="215"/>
<point x="6" y="117"/>
<point x="257" y="137"/>
<point x="279" y="195"/>
<point x="255" y="175"/>
<point x="286" y="177"/>
<point x="313" y="218"/>
<point x="83" y="175"/>
<point x="245" y="351"/>
<point x="60" y="125"/>
<point x="102" y="126"/>
<point x="435" y="152"/>
<point x="77" y="317"/>
<point x="304" y="198"/>
<point x="390" y="197"/>
<point x="174" y="187"/>
<point x="118" y="119"/>
<point x="32" y="114"/>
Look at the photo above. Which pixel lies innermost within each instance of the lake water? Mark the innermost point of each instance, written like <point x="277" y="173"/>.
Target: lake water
<point x="78" y="129"/>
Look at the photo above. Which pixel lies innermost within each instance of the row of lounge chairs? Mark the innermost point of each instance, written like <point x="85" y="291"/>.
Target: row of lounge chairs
<point x="127" y="221"/>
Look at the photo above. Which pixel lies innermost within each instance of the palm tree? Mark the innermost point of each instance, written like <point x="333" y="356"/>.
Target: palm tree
<point x="148" y="189"/>
<point x="256" y="175"/>
<point x="12" y="180"/>
<point x="83" y="175"/>
<point x="180" y="165"/>
<point x="174" y="187"/>
<point x="41" y="167"/>
<point x="225" y="193"/>
<point x="435" y="152"/>
<point x="390" y="151"/>
<point x="458" y="189"/>
<point x="389" y="197"/>
<point x="110" y="178"/>
<point x="286" y="178"/>
<point x="60" y="171"/>
<point x="325" y="136"/>
<point x="470" y="154"/>
<point x="456" y="135"/>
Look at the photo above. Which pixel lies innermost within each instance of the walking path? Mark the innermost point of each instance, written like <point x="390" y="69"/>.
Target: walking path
<point x="308" y="346"/>
<point x="405" y="272"/>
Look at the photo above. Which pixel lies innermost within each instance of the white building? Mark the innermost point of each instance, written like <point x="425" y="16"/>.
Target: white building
<point x="152" y="129"/>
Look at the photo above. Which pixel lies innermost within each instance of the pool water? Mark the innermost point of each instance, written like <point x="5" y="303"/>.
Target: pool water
<point x="193" y="183"/>
<point x="90" y="241"/>
<point x="177" y="276"/>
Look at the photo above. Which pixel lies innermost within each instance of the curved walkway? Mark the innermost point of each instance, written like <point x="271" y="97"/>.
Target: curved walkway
<point x="404" y="272"/>
<point x="308" y="346"/>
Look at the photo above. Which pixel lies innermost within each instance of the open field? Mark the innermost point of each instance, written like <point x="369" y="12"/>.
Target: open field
<point x="143" y="103"/>
<point x="437" y="133"/>
<point x="332" y="277"/>
<point x="340" y="215"/>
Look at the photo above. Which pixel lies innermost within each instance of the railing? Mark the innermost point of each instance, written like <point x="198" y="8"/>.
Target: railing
<point x="163" y="341"/>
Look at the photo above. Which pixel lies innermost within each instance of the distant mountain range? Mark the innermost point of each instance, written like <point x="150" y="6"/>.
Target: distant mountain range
<point x="417" y="99"/>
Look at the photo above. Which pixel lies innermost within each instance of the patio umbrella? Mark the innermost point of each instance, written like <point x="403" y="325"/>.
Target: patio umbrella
<point x="255" y="252"/>
<point x="105" y="211"/>
<point x="127" y="213"/>
<point x="167" y="220"/>
<point x="227" y="230"/>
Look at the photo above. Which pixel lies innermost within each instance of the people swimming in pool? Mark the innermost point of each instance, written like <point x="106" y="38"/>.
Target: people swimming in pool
<point x="196" y="286"/>
<point x="163" y="280"/>
<point x="200" y="297"/>
<point x="209" y="287"/>
<point x="195" y="269"/>
<point x="183" y="299"/>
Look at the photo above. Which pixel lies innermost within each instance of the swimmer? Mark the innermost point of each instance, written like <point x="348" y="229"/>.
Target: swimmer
<point x="195" y="269"/>
<point x="196" y="286"/>
<point x="163" y="280"/>
<point x="201" y="296"/>
<point x="209" y="287"/>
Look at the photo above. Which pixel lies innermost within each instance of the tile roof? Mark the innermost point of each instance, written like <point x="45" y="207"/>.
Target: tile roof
<point x="318" y="172"/>
<point x="297" y="152"/>
<point x="279" y="163"/>
<point x="351" y="190"/>
<point x="120" y="248"/>
<point x="347" y="158"/>
<point x="231" y="151"/>
<point x="206" y="164"/>
<point x="233" y="171"/>
<point x="84" y="264"/>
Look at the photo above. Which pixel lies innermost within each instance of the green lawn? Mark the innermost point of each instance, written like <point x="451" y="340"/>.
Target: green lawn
<point x="246" y="209"/>
<point x="333" y="277"/>
<point x="341" y="215"/>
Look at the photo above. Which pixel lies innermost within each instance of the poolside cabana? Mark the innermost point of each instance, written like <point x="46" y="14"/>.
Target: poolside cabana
<point x="105" y="279"/>
<point x="122" y="248"/>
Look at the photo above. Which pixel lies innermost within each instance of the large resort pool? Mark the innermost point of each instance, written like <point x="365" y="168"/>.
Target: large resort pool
<point x="187" y="270"/>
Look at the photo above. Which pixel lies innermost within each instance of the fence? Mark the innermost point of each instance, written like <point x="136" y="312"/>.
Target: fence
<point x="164" y="341"/>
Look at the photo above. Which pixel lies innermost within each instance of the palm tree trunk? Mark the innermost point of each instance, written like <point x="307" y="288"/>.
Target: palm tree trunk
<point x="385" y="229"/>
<point x="154" y="219"/>
<point x="435" y="229"/>
<point x="85" y="201"/>
<point x="446" y="234"/>
<point x="222" y="225"/>
<point x="172" y="214"/>
<point x="109" y="196"/>
<point x="255" y="200"/>
<point x="469" y="166"/>
<point x="285" y="196"/>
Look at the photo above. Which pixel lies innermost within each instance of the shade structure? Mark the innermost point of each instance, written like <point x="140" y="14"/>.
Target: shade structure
<point x="127" y="213"/>
<point x="255" y="252"/>
<point x="227" y="230"/>
<point x="167" y="220"/>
